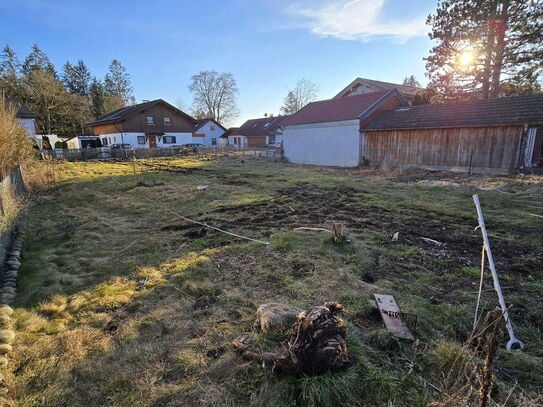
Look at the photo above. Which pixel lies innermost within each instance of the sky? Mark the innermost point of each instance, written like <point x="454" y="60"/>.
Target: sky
<point x="268" y="45"/>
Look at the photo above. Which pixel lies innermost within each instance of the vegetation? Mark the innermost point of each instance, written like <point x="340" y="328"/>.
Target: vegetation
<point x="123" y="302"/>
<point x="63" y="103"/>
<point x="304" y="92"/>
<point x="485" y="48"/>
<point x="214" y="96"/>
<point x="15" y="146"/>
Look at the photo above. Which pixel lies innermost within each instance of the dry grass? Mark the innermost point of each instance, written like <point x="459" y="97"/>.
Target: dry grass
<point x="152" y="303"/>
<point x="15" y="146"/>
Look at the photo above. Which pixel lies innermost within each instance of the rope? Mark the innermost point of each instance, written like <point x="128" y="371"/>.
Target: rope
<point x="475" y="319"/>
<point x="204" y="224"/>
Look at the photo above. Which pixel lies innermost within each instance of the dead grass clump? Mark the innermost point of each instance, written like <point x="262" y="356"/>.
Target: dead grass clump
<point x="10" y="206"/>
<point x="54" y="308"/>
<point x="106" y="296"/>
<point x="15" y="145"/>
<point x="38" y="174"/>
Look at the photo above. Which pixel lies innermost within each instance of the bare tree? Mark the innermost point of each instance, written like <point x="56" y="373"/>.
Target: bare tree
<point x="304" y="92"/>
<point x="214" y="95"/>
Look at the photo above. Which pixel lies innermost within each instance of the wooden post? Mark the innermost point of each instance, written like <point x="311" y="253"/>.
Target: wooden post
<point x="337" y="230"/>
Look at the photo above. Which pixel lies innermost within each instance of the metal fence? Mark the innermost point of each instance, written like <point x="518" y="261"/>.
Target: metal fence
<point x="105" y="153"/>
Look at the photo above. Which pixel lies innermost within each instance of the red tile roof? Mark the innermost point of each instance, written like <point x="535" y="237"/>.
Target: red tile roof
<point x="379" y="85"/>
<point x="340" y="109"/>
<point x="265" y="126"/>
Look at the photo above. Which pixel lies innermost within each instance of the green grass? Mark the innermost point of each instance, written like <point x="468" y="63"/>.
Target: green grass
<point x="123" y="302"/>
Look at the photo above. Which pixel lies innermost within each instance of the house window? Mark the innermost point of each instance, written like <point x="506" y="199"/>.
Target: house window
<point x="114" y="139"/>
<point x="169" y="139"/>
<point x="167" y="120"/>
<point x="213" y="141"/>
<point x="104" y="141"/>
<point x="212" y="128"/>
<point x="141" y="139"/>
<point x="150" y="120"/>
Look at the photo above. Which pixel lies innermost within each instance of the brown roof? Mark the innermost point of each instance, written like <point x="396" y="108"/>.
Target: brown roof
<point x="21" y="110"/>
<point x="526" y="109"/>
<point x="262" y="127"/>
<point x="380" y="85"/>
<point x="333" y="110"/>
<point x="123" y="113"/>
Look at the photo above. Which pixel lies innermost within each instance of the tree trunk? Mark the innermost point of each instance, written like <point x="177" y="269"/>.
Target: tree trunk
<point x="485" y="89"/>
<point x="500" y="27"/>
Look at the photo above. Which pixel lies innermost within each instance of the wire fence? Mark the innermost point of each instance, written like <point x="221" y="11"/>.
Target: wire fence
<point x="106" y="153"/>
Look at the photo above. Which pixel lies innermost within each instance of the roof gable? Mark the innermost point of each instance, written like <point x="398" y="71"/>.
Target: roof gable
<point x="526" y="109"/>
<point x="377" y="85"/>
<point x="124" y="113"/>
<point x="202" y="122"/>
<point x="342" y="109"/>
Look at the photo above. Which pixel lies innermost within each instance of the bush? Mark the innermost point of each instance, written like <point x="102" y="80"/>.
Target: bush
<point x="15" y="145"/>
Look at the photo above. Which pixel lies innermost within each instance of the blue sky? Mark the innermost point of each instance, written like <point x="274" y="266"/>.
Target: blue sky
<point x="266" y="44"/>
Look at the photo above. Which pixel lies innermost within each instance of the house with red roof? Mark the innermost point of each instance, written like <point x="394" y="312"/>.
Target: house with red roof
<point x="327" y="132"/>
<point x="207" y="132"/>
<point x="259" y="132"/>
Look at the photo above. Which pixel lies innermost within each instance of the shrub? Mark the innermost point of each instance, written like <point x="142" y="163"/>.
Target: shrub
<point x="15" y="145"/>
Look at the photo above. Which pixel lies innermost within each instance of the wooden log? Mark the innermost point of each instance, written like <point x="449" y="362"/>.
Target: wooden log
<point x="338" y="231"/>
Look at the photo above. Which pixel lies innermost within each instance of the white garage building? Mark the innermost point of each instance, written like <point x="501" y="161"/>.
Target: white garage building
<point x="328" y="132"/>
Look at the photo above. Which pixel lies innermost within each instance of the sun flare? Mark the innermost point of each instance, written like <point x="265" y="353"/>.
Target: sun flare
<point x="466" y="58"/>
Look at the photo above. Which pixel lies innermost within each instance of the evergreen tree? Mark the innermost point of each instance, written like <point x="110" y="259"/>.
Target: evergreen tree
<point x="117" y="85"/>
<point x="485" y="48"/>
<point x="412" y="81"/>
<point x="37" y="60"/>
<point x="9" y="73"/>
<point x="77" y="78"/>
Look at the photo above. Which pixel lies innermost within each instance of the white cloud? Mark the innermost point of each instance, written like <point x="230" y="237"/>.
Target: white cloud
<point x="356" y="20"/>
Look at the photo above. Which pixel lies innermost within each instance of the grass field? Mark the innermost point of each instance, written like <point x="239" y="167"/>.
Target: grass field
<point x="123" y="302"/>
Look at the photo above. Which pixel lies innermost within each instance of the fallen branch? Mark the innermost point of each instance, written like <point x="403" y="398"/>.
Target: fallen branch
<point x="314" y="229"/>
<point x="427" y="239"/>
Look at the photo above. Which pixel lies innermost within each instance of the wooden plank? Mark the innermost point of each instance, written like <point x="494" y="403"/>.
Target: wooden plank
<point x="392" y="317"/>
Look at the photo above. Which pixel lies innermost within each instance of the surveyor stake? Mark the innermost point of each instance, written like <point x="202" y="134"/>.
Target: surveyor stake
<point x="512" y="339"/>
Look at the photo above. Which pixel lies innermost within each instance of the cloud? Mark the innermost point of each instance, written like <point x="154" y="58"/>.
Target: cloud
<point x="356" y="20"/>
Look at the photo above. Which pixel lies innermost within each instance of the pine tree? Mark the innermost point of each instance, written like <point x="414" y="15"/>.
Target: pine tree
<point x="304" y="92"/>
<point x="37" y="60"/>
<point x="117" y="85"/>
<point x="412" y="81"/>
<point x="485" y="48"/>
<point x="77" y="78"/>
<point x="9" y="73"/>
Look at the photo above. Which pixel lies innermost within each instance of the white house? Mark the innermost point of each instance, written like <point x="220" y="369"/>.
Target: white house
<point x="150" y="124"/>
<point x="208" y="132"/>
<point x="328" y="132"/>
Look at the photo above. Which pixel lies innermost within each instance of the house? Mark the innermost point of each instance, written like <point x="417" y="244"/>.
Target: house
<point x="24" y="116"/>
<point x="232" y="137"/>
<point x="328" y="132"/>
<point x="363" y="85"/>
<point x="150" y="124"/>
<point x="259" y="132"/>
<point x="497" y="135"/>
<point x="207" y="132"/>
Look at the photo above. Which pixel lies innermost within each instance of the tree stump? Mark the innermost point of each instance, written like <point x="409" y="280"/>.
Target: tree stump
<point x="338" y="231"/>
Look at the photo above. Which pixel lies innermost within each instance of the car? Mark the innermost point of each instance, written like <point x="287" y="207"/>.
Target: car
<point x="121" y="146"/>
<point x="193" y="145"/>
<point x="274" y="144"/>
<point x="121" y="150"/>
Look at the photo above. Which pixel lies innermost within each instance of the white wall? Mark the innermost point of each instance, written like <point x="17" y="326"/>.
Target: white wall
<point x="132" y="139"/>
<point x="209" y="134"/>
<point x="328" y="144"/>
<point x="30" y="127"/>
<point x="242" y="141"/>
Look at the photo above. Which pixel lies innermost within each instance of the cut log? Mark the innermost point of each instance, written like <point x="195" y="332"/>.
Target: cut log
<point x="202" y="189"/>
<point x="393" y="317"/>
<point x="339" y="234"/>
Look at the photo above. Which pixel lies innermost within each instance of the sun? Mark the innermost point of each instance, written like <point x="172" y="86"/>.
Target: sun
<point x="466" y="58"/>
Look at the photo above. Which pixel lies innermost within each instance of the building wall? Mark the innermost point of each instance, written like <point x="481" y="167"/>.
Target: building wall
<point x="237" y="140"/>
<point x="30" y="126"/>
<point x="132" y="139"/>
<point x="458" y="148"/>
<point x="328" y="144"/>
<point x="107" y="129"/>
<point x="210" y="131"/>
<point x="179" y="123"/>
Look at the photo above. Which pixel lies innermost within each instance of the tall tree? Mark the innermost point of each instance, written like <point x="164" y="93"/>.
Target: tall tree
<point x="412" y="81"/>
<point x="9" y="73"/>
<point x="37" y="60"/>
<point x="77" y="78"/>
<point x="304" y="91"/>
<point x="214" y="94"/>
<point x="117" y="85"/>
<point x="485" y="48"/>
<point x="98" y="95"/>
